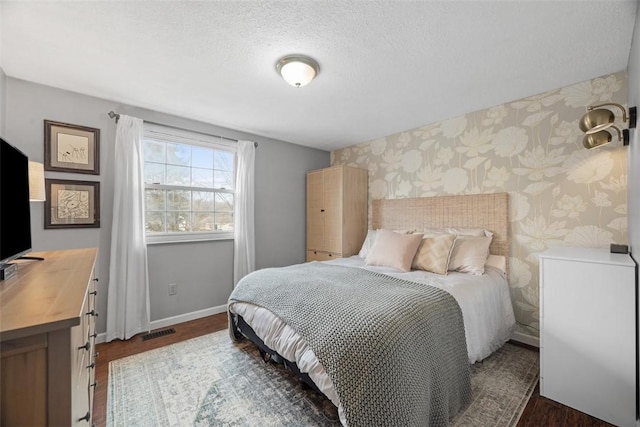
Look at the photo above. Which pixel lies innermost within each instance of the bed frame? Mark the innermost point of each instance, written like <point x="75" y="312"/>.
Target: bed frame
<point x="488" y="211"/>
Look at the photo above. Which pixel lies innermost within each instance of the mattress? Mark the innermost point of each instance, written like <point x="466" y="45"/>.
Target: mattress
<point x="484" y="301"/>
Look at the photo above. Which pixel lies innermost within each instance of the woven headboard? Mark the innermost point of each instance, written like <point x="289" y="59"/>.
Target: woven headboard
<point x="488" y="211"/>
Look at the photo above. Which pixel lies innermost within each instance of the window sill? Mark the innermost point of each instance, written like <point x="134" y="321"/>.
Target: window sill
<point x="187" y="238"/>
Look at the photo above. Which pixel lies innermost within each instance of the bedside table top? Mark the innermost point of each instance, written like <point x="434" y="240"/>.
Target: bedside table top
<point x="592" y="255"/>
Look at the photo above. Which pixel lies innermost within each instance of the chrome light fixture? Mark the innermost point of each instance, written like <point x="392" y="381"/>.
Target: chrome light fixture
<point x="597" y="119"/>
<point x="297" y="70"/>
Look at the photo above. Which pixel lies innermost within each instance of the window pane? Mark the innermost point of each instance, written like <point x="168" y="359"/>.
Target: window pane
<point x="224" y="221"/>
<point x="203" y="221"/>
<point x="224" y="202"/>
<point x="178" y="200"/>
<point x="202" y="201"/>
<point x="178" y="175"/>
<point x="223" y="179"/>
<point x="202" y="157"/>
<point x="223" y="160"/>
<point x="178" y="222"/>
<point x="154" y="222"/>
<point x="183" y="168"/>
<point x="154" y="200"/>
<point x="179" y="154"/>
<point x="154" y="151"/>
<point x="154" y="173"/>
<point x="202" y="178"/>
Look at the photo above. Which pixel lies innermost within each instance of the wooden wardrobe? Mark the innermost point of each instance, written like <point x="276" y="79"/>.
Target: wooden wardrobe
<point x="336" y="212"/>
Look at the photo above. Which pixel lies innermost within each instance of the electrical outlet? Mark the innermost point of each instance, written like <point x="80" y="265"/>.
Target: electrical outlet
<point x="173" y="288"/>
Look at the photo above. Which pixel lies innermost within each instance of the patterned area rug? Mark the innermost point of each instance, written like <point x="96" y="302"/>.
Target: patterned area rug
<point x="210" y="381"/>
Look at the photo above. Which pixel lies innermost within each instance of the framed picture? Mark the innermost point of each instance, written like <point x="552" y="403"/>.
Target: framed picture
<point x="71" y="204"/>
<point x="71" y="148"/>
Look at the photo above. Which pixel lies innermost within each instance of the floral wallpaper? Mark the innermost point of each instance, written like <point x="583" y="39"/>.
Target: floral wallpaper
<point x="560" y="193"/>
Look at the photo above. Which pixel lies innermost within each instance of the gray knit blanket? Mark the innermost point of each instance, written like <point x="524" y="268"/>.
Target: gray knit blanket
<point x="394" y="349"/>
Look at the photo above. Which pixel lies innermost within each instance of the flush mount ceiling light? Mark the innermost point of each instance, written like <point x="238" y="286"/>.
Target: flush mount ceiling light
<point x="597" y="119"/>
<point x="297" y="70"/>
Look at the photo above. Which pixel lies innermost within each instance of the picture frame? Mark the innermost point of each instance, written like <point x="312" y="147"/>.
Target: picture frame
<point x="71" y="148"/>
<point x="71" y="204"/>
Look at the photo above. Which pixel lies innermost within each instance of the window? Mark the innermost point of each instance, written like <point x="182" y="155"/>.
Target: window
<point x="189" y="185"/>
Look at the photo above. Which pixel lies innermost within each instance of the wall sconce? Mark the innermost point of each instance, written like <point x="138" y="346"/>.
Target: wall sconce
<point x="595" y="122"/>
<point x="297" y="70"/>
<point x="36" y="182"/>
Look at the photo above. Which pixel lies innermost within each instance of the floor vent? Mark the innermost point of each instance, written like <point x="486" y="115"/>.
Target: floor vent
<point x="158" y="334"/>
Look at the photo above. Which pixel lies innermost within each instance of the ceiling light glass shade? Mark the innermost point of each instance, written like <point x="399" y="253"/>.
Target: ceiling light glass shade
<point x="297" y="70"/>
<point x="596" y="120"/>
<point x="36" y="182"/>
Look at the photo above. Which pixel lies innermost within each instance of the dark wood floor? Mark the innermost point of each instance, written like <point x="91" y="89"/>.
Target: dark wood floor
<point x="539" y="411"/>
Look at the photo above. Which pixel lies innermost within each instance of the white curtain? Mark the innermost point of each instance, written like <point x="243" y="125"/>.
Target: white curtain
<point x="128" y="302"/>
<point x="244" y="258"/>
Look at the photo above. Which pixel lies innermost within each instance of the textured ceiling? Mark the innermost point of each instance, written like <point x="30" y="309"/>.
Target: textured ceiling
<point x="386" y="66"/>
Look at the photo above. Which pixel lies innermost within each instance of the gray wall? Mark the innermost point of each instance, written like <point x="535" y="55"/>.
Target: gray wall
<point x="633" y="79"/>
<point x="203" y="271"/>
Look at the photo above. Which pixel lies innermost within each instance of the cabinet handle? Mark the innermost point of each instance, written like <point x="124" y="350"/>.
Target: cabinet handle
<point x="96" y="279"/>
<point x="87" y="346"/>
<point x="92" y="313"/>
<point x="93" y="365"/>
<point x="94" y="385"/>
<point x="93" y="293"/>
<point x="93" y="335"/>
<point x="321" y="210"/>
<point x="86" y="417"/>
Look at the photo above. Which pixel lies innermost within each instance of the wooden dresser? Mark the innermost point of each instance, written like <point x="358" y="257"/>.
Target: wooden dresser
<point x="47" y="340"/>
<point x="336" y="212"/>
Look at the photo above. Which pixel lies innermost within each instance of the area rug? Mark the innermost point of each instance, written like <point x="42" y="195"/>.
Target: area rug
<point x="211" y="381"/>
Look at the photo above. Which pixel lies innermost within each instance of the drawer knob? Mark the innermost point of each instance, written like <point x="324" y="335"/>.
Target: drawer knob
<point x="86" y="417"/>
<point x="87" y="346"/>
<point x="93" y="365"/>
<point x="92" y="313"/>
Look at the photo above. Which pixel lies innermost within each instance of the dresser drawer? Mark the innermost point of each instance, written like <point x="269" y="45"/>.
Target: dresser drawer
<point x="322" y="255"/>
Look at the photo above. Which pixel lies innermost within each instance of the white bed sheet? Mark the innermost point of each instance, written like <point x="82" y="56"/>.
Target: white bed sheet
<point x="484" y="300"/>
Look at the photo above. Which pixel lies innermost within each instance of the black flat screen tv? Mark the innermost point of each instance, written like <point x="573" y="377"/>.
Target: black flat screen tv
<point x="15" y="213"/>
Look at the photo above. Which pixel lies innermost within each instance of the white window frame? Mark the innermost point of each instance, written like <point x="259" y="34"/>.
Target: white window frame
<point x="181" y="136"/>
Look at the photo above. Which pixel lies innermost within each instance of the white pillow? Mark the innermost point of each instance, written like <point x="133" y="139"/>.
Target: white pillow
<point x="370" y="239"/>
<point x="368" y="243"/>
<point x="394" y="250"/>
<point x="470" y="254"/>
<point x="497" y="261"/>
<point x="478" y="232"/>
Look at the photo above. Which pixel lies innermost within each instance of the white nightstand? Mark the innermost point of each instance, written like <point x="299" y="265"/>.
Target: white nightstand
<point x="588" y="332"/>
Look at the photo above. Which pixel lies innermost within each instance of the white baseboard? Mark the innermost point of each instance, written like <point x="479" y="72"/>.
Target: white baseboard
<point x="526" y="339"/>
<point x="174" y="320"/>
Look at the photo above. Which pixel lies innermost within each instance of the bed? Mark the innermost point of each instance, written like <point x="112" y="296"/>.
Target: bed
<point x="382" y="346"/>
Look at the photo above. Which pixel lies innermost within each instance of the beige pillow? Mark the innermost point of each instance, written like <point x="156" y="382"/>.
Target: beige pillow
<point x="434" y="253"/>
<point x="394" y="250"/>
<point x="470" y="254"/>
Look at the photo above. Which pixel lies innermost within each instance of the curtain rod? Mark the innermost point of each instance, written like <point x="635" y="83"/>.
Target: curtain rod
<point x="116" y="116"/>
